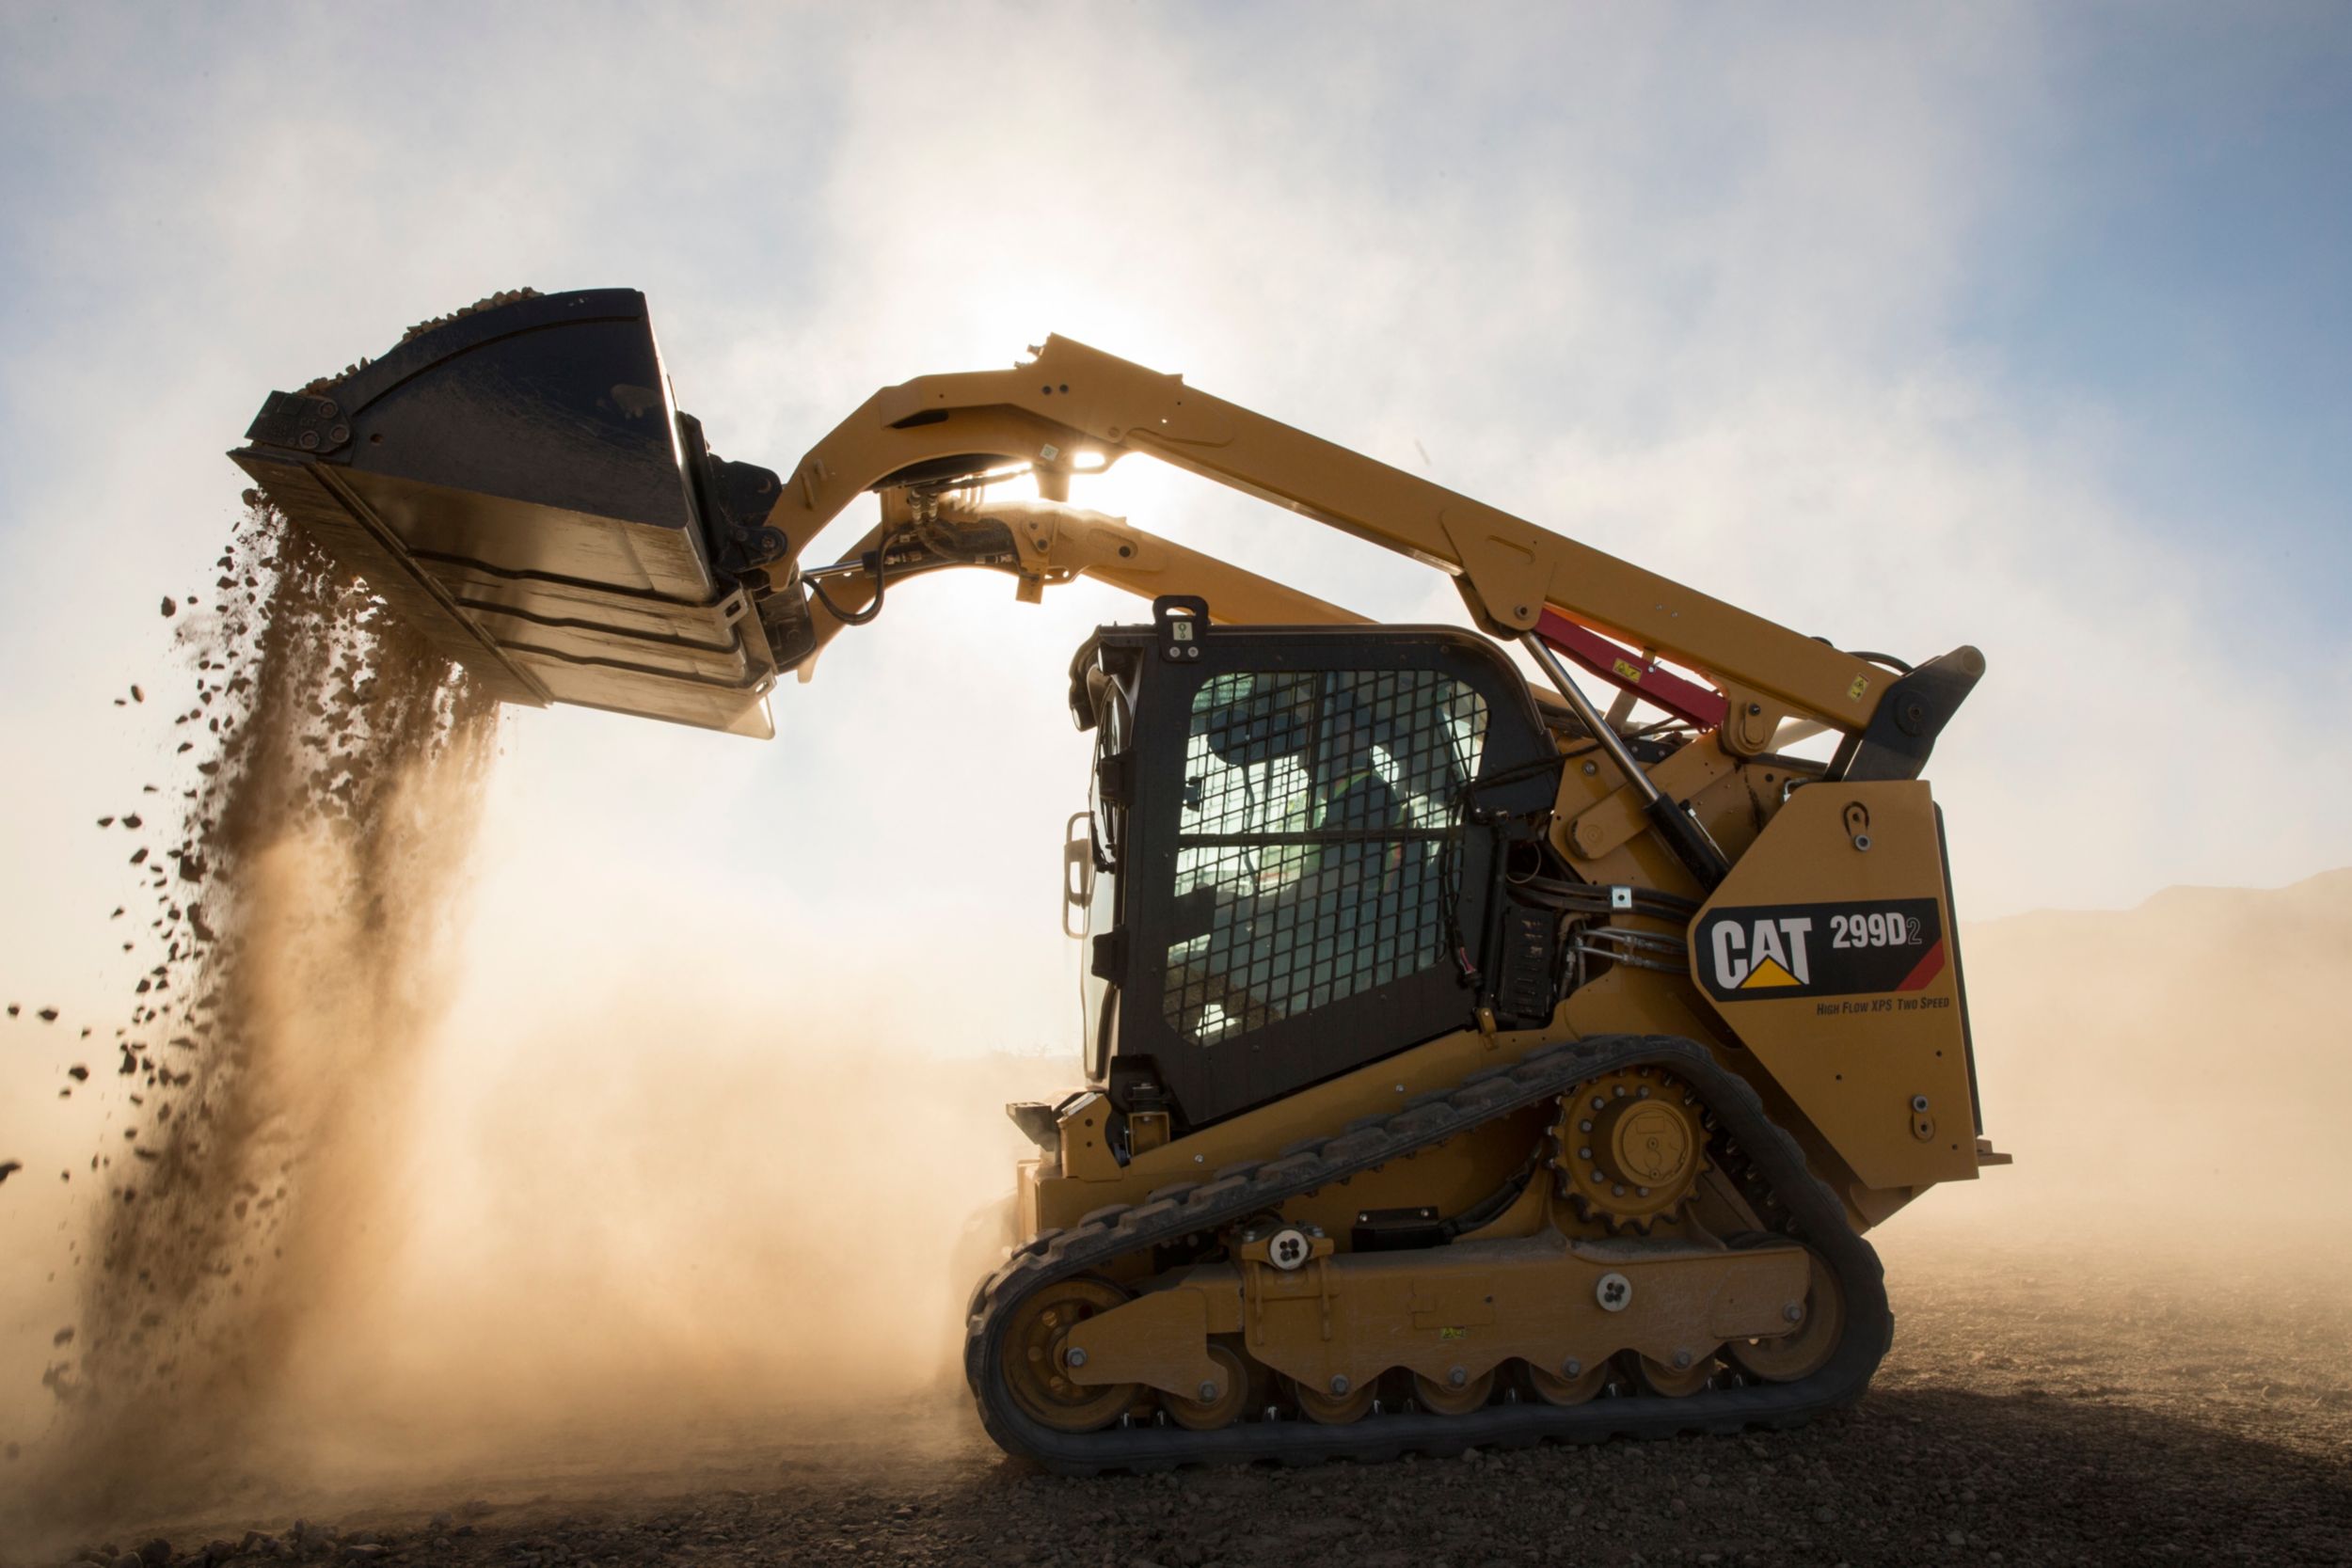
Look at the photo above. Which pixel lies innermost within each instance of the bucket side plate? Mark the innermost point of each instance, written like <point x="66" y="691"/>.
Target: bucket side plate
<point x="513" y="481"/>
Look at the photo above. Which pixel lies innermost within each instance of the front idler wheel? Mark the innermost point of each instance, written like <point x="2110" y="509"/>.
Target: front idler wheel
<point x="1039" y="1358"/>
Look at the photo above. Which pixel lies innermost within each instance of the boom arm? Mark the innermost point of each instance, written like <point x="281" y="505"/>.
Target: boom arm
<point x="515" y="480"/>
<point x="1515" y="577"/>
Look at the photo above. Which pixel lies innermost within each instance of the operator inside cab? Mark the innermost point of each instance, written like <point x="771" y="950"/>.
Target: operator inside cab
<point x="1353" y="796"/>
<point x="1321" y="897"/>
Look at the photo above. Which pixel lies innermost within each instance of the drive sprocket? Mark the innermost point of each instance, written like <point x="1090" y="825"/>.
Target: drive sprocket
<point x="1629" y="1147"/>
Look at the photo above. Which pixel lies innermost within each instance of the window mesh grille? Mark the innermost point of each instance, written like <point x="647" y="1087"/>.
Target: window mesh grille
<point x="1306" y="845"/>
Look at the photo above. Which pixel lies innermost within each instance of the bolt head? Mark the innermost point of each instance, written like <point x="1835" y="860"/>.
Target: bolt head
<point x="1682" y="1359"/>
<point x="1077" y="1357"/>
<point x="1208" y="1392"/>
<point x="1338" y="1385"/>
<point x="1571" y="1367"/>
<point x="1794" y="1311"/>
<point x="1458" y="1377"/>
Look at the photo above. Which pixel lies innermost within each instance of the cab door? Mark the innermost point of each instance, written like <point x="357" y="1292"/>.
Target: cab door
<point x="1092" y="883"/>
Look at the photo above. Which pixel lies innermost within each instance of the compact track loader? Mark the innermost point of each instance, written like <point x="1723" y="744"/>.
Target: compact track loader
<point x="1464" y="1063"/>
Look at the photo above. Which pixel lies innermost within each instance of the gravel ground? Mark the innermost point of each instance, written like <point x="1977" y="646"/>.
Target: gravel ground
<point x="2038" y="1408"/>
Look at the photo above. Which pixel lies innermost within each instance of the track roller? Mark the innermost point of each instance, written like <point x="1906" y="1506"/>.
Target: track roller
<point x="1450" y="1398"/>
<point x="1338" y="1405"/>
<point x="1221" y="1404"/>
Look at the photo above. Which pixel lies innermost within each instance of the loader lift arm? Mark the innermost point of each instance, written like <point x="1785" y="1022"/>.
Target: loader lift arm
<point x="517" y="478"/>
<point x="1072" y="402"/>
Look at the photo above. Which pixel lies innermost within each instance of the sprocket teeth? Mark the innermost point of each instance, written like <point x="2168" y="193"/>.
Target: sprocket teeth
<point x="1625" y="1105"/>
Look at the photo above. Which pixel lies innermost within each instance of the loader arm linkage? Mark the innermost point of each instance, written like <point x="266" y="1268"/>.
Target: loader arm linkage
<point x="1076" y="409"/>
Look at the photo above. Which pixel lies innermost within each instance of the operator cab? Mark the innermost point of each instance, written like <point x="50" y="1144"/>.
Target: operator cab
<point x="1293" y="851"/>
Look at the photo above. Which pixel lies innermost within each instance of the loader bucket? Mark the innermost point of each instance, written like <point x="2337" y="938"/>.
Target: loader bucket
<point x="516" y="482"/>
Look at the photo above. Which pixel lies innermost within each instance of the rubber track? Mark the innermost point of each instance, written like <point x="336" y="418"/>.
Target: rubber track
<point x="1814" y="1216"/>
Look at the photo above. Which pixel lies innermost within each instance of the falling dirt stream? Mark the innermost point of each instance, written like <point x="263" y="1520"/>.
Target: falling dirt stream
<point x="302" y="916"/>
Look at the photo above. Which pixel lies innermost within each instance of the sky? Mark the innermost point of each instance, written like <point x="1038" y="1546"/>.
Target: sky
<point x="1908" y="326"/>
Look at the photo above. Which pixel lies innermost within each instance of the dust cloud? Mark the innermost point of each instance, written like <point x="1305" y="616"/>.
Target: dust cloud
<point x="299" y="922"/>
<point x="352" y="1243"/>
<point x="2172" y="1079"/>
<point x="649" y="1221"/>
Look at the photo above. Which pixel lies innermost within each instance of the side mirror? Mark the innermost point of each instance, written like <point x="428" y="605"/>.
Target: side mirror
<point x="1077" y="872"/>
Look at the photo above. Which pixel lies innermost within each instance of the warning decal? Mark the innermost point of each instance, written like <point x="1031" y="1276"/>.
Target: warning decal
<point x="1778" y="952"/>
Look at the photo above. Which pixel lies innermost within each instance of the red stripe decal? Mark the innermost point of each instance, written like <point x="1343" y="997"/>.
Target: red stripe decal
<point x="1928" y="967"/>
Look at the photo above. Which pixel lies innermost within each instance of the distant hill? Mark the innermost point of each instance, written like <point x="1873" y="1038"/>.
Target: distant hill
<point x="2187" y="1056"/>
